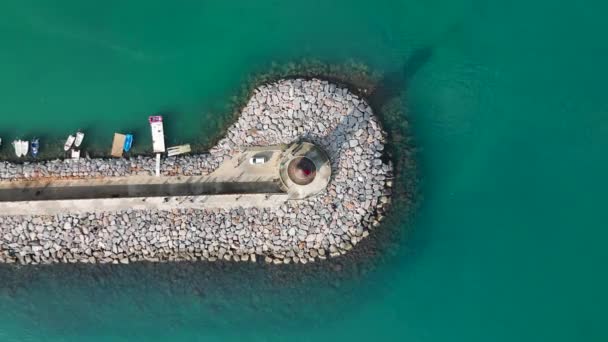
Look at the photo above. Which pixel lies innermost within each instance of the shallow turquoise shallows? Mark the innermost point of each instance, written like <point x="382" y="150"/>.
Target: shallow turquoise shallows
<point x="509" y="112"/>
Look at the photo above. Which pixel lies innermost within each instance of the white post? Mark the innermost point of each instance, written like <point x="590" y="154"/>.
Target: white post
<point x="158" y="165"/>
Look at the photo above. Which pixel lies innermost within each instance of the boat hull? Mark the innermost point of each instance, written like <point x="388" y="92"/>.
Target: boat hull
<point x="128" y="142"/>
<point x="158" y="135"/>
<point x="24" y="148"/>
<point x="35" y="147"/>
<point x="79" y="139"/>
<point x="17" y="146"/>
<point x="69" y="143"/>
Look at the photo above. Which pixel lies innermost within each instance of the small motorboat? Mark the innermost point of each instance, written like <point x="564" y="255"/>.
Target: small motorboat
<point x="158" y="135"/>
<point x="24" y="147"/>
<point x="128" y="142"/>
<point x="35" y="147"/>
<point x="17" y="146"/>
<point x="21" y="148"/>
<point x="69" y="143"/>
<point x="79" y="139"/>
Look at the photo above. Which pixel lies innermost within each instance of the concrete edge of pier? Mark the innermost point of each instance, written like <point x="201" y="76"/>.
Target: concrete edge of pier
<point x="79" y="206"/>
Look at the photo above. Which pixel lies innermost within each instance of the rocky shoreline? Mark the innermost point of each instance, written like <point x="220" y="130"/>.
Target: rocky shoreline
<point x="302" y="231"/>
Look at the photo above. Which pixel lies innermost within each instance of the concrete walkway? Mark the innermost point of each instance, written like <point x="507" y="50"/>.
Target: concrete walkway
<point x="225" y="202"/>
<point x="127" y="187"/>
<point x="237" y="182"/>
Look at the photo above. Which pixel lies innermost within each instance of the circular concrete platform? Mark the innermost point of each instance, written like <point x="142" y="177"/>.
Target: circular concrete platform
<point x="305" y="170"/>
<point x="302" y="170"/>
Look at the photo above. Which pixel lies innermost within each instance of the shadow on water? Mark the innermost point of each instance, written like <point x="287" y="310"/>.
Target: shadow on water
<point x="392" y="101"/>
<point x="395" y="84"/>
<point x="242" y="293"/>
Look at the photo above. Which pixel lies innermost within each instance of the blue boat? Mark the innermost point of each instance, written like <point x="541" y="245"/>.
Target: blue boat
<point x="35" y="147"/>
<point x="128" y="142"/>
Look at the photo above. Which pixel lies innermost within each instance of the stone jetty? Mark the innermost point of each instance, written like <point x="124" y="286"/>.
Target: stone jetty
<point x="299" y="231"/>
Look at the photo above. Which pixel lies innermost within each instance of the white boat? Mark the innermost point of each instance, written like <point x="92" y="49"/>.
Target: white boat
<point x="79" y="138"/>
<point x="21" y="148"/>
<point x="76" y="154"/>
<point x="25" y="147"/>
<point x="17" y="146"/>
<point x="69" y="143"/>
<point x="158" y="135"/>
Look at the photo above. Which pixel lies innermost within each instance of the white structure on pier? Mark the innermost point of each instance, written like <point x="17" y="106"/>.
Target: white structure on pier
<point x="158" y="133"/>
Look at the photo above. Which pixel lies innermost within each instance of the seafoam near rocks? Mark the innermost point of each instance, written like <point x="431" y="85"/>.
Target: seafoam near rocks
<point x="328" y="224"/>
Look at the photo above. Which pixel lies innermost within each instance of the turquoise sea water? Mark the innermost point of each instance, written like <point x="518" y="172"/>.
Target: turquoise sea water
<point x="510" y="118"/>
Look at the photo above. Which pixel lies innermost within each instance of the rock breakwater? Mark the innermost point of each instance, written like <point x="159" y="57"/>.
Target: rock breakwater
<point x="326" y="225"/>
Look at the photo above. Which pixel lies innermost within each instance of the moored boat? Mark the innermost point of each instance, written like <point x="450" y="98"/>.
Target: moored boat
<point x="79" y="139"/>
<point x="158" y="135"/>
<point x="128" y="142"/>
<point x="69" y="143"/>
<point x="21" y="148"/>
<point x="17" y="147"/>
<point x="35" y="147"/>
<point x="24" y="147"/>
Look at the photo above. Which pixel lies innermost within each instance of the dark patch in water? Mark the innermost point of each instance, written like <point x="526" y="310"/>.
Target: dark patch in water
<point x="395" y="84"/>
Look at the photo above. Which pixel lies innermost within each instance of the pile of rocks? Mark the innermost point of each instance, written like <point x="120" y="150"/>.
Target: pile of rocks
<point x="326" y="225"/>
<point x="196" y="165"/>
